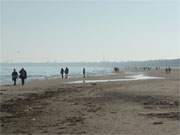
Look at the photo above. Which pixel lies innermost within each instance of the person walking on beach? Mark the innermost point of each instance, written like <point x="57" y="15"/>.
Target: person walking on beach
<point x="84" y="73"/>
<point x="23" y="75"/>
<point x="66" y="72"/>
<point x="14" y="76"/>
<point x="62" y="73"/>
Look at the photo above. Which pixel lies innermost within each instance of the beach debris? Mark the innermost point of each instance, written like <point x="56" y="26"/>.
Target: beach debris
<point x="162" y="103"/>
<point x="93" y="83"/>
<point x="8" y="107"/>
<point x="73" y="120"/>
<point x="169" y="115"/>
<point x="113" y="112"/>
<point x="75" y="103"/>
<point x="33" y="119"/>
<point x="28" y="108"/>
<point x="82" y="132"/>
<point x="157" y="122"/>
<point x="3" y="90"/>
<point x="93" y="109"/>
<point x="62" y="127"/>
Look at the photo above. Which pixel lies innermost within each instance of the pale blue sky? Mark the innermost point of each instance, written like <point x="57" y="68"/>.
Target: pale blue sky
<point x="89" y="31"/>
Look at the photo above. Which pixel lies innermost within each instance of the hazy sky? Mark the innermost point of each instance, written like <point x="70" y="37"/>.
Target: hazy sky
<point x="89" y="31"/>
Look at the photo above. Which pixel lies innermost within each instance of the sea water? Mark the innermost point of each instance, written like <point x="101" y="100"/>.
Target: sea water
<point x="48" y="70"/>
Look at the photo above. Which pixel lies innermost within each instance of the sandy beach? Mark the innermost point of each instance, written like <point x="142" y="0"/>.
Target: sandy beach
<point x="136" y="107"/>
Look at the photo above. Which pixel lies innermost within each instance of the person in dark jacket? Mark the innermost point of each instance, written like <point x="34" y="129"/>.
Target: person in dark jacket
<point x="84" y="72"/>
<point x="66" y="72"/>
<point x="23" y="75"/>
<point x="62" y="73"/>
<point x="14" y="76"/>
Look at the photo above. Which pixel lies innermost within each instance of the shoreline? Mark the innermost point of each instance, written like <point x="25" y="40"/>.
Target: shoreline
<point x="53" y="77"/>
<point x="92" y="75"/>
<point x="124" y="74"/>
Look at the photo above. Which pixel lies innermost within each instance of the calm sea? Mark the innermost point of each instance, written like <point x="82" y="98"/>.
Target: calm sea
<point x="49" y="70"/>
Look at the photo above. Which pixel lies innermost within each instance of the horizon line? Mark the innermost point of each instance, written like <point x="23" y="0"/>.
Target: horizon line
<point x="105" y="61"/>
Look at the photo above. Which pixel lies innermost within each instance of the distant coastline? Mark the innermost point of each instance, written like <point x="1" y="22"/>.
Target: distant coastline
<point x="139" y="63"/>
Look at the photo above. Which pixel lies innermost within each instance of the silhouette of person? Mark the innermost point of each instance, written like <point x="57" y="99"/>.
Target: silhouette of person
<point x="62" y="73"/>
<point x="84" y="72"/>
<point x="23" y="75"/>
<point x="14" y="76"/>
<point x="66" y="72"/>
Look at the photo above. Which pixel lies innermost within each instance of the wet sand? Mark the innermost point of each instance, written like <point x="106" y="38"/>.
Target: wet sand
<point x="138" y="107"/>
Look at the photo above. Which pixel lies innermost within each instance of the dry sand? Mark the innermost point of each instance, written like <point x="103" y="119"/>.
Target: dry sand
<point x="142" y="107"/>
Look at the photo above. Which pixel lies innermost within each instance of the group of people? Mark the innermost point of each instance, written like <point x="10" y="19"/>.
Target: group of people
<point x="22" y="76"/>
<point x="66" y="72"/>
<point x="168" y="70"/>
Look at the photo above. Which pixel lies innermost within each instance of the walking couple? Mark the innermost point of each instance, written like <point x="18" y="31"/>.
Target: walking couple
<point x="22" y="76"/>
<point x="66" y="72"/>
